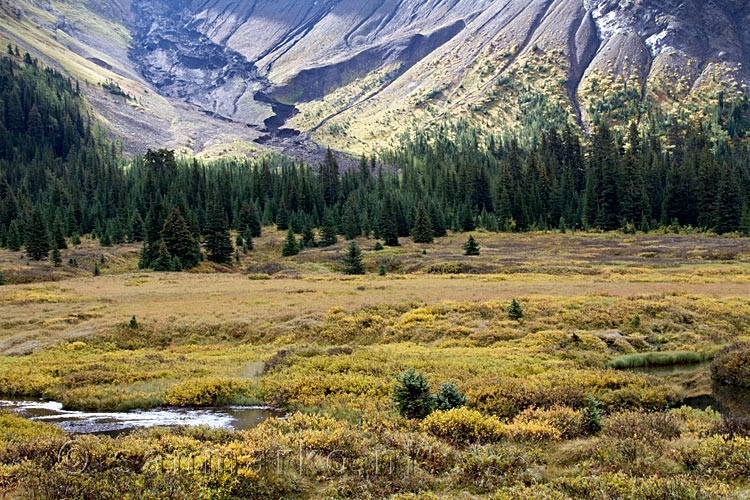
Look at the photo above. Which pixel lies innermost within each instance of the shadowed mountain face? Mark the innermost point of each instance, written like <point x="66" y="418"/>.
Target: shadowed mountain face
<point x="360" y="71"/>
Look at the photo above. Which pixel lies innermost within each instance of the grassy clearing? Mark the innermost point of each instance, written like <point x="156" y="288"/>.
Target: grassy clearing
<point x="296" y="333"/>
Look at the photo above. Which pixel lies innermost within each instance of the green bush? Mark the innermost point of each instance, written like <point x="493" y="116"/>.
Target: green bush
<point x="412" y="395"/>
<point x="449" y="397"/>
<point x="640" y="360"/>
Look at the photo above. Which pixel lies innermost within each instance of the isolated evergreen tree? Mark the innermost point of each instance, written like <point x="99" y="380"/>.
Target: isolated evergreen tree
<point x="179" y="241"/>
<point x="378" y="246"/>
<point x="471" y="247"/>
<point x="75" y="239"/>
<point x="14" y="237"/>
<point x="412" y="395"/>
<point x="328" y="232"/>
<point x="37" y="237"/>
<point x="3" y="281"/>
<point x="382" y="271"/>
<point x="291" y="247"/>
<point x="352" y="228"/>
<point x="97" y="270"/>
<point x="353" y="260"/>
<point x="217" y="239"/>
<point x="422" y="231"/>
<point x="515" y="311"/>
<point x="389" y="224"/>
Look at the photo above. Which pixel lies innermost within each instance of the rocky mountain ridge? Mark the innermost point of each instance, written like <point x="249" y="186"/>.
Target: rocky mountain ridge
<point x="359" y="72"/>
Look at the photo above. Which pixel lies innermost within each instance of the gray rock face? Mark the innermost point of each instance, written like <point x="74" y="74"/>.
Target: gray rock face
<point x="218" y="53"/>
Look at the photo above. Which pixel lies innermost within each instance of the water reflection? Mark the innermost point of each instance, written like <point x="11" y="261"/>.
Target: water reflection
<point x="232" y="417"/>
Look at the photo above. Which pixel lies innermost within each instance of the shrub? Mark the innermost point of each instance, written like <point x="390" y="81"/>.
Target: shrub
<point x="449" y="397"/>
<point x="412" y="395"/>
<point x="592" y="415"/>
<point x="463" y="425"/>
<point x="532" y="430"/>
<point x="208" y="392"/>
<point x="446" y="268"/>
<point x="732" y="365"/>
<point x="651" y="426"/>
<point x="569" y="422"/>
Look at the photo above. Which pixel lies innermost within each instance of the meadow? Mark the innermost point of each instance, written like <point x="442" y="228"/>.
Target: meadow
<point x="550" y="411"/>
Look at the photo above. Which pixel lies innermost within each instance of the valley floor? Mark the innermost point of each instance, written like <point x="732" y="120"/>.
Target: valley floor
<point x="298" y="334"/>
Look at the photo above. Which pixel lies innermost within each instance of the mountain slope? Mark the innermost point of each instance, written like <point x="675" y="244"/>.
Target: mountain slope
<point x="362" y="71"/>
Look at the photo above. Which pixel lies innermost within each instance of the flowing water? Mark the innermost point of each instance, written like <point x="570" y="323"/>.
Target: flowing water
<point x="82" y="422"/>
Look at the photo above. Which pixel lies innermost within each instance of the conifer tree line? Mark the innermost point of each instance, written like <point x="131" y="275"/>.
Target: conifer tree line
<point x="61" y="178"/>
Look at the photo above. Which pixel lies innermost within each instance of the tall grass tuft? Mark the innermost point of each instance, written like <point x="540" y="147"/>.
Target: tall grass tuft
<point x="649" y="359"/>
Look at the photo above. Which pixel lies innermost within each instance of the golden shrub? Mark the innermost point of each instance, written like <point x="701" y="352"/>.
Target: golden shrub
<point x="463" y="425"/>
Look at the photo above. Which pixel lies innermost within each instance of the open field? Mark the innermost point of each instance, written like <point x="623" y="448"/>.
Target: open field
<point x="296" y="333"/>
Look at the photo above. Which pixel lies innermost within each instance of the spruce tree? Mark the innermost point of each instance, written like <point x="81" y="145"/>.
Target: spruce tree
<point x="328" y="232"/>
<point x="471" y="247"/>
<point x="308" y="237"/>
<point x="14" y="237"/>
<point x="248" y="218"/>
<point x="163" y="262"/>
<point x="58" y="234"/>
<point x="56" y="257"/>
<point x="179" y="241"/>
<point x="218" y="242"/>
<point x="352" y="229"/>
<point x="353" y="260"/>
<point x="438" y="221"/>
<point x="105" y="240"/>
<point x="422" y="231"/>
<point x="291" y="247"/>
<point x="515" y="311"/>
<point x="389" y="224"/>
<point x="467" y="219"/>
<point x="3" y="282"/>
<point x="249" y="244"/>
<point x="382" y="271"/>
<point x="137" y="231"/>
<point x="728" y="204"/>
<point x="37" y="237"/>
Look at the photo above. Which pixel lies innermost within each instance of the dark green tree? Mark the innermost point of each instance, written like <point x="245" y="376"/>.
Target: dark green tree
<point x="291" y="246"/>
<point x="179" y="241"/>
<point x="56" y="257"/>
<point x="37" y="237"/>
<point x="352" y="228"/>
<point x="515" y="311"/>
<point x="353" y="260"/>
<point x="389" y="224"/>
<point x="14" y="237"/>
<point x="471" y="247"/>
<point x="163" y="262"/>
<point x="308" y="237"/>
<point x="422" y="231"/>
<point x="412" y="395"/>
<point x="249" y="244"/>
<point x="248" y="218"/>
<point x="328" y="232"/>
<point x="449" y="397"/>
<point x="728" y="205"/>
<point x="58" y="234"/>
<point x="217" y="239"/>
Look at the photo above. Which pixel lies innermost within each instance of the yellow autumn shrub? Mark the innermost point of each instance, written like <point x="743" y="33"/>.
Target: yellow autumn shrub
<point x="463" y="425"/>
